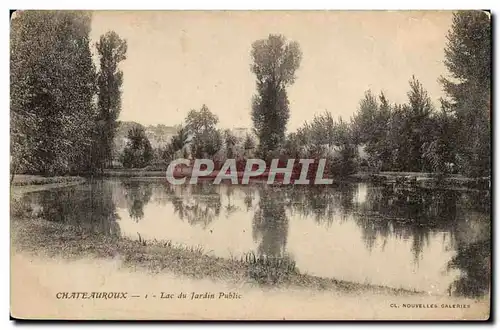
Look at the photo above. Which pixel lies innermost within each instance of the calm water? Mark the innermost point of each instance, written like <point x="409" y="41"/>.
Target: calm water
<point x="414" y="239"/>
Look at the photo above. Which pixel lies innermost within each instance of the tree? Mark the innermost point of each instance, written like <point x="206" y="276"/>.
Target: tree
<point x="468" y="59"/>
<point x="207" y="140"/>
<point x="275" y="61"/>
<point x="396" y="137"/>
<point x="248" y="143"/>
<point x="371" y="128"/>
<point x="230" y="142"/>
<point x="138" y="152"/>
<point x="440" y="150"/>
<point x="418" y="125"/>
<point x="342" y="137"/>
<point x="112" y="50"/>
<point x="207" y="143"/>
<point x="52" y="88"/>
<point x="177" y="143"/>
<point x="365" y="118"/>
<point x="199" y="121"/>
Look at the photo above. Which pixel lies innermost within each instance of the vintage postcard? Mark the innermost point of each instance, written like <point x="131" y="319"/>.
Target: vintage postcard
<point x="250" y="165"/>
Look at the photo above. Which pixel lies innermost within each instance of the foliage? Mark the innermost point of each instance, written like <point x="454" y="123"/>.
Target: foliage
<point x="398" y="137"/>
<point x="230" y="142"/>
<point x="176" y="144"/>
<point x="468" y="59"/>
<point x="207" y="139"/>
<point x="325" y="137"/>
<point x="111" y="49"/>
<point x="138" y="152"/>
<point x="52" y="87"/>
<point x="202" y="120"/>
<point x="249" y="142"/>
<point x="56" y="127"/>
<point x="275" y="61"/>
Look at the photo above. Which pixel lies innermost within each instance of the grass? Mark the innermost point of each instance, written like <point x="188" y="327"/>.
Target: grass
<point x="127" y="173"/>
<point x="49" y="239"/>
<point x="270" y="269"/>
<point x="28" y="180"/>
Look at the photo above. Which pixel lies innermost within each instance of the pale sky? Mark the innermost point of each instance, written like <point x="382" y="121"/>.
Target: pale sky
<point x="177" y="61"/>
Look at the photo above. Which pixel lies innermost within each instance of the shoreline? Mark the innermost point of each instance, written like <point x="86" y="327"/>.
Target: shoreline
<point x="46" y="239"/>
<point x="41" y="237"/>
<point x="400" y="179"/>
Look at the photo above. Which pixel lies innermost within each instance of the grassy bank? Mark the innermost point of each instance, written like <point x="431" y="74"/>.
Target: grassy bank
<point x="130" y="173"/>
<point x="30" y="180"/>
<point x="40" y="237"/>
<point x="44" y="238"/>
<point x="28" y="183"/>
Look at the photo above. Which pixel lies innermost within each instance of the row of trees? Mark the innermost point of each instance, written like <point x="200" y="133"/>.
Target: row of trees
<point x="198" y="137"/>
<point x="414" y="136"/>
<point x="63" y="111"/>
<point x="454" y="138"/>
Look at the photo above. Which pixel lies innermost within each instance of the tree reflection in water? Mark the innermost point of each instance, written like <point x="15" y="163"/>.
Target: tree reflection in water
<point x="270" y="223"/>
<point x="248" y="200"/>
<point x="382" y="212"/>
<point x="474" y="262"/>
<point x="137" y="195"/>
<point x="87" y="206"/>
<point x="198" y="204"/>
<point x="230" y="207"/>
<point x="406" y="214"/>
<point x="323" y="203"/>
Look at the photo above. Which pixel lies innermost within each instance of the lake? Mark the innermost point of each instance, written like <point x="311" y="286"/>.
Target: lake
<point x="426" y="240"/>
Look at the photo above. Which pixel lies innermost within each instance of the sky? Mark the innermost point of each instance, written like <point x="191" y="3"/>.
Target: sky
<point x="177" y="61"/>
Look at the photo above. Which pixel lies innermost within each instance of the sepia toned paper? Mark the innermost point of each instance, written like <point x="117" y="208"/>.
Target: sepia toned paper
<point x="397" y="103"/>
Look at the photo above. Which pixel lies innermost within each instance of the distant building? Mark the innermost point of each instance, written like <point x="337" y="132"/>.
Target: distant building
<point x="241" y="132"/>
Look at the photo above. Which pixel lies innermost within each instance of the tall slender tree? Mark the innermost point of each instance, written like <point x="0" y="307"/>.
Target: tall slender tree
<point x="112" y="50"/>
<point x="275" y="61"/>
<point x="468" y="59"/>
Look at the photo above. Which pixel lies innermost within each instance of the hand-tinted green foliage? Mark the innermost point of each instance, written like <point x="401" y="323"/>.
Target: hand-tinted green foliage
<point x="138" y="152"/>
<point x="274" y="64"/>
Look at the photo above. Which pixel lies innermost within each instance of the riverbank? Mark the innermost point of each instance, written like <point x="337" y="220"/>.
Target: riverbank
<point x="47" y="239"/>
<point x="36" y="236"/>
<point x="23" y="184"/>
<point x="34" y="180"/>
<point x="401" y="179"/>
<point x="35" y="283"/>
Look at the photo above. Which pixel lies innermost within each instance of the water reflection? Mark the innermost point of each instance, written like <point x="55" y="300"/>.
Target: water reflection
<point x="414" y="238"/>
<point x="137" y="194"/>
<point x="88" y="206"/>
<point x="198" y="204"/>
<point x="270" y="224"/>
<point x="473" y="261"/>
